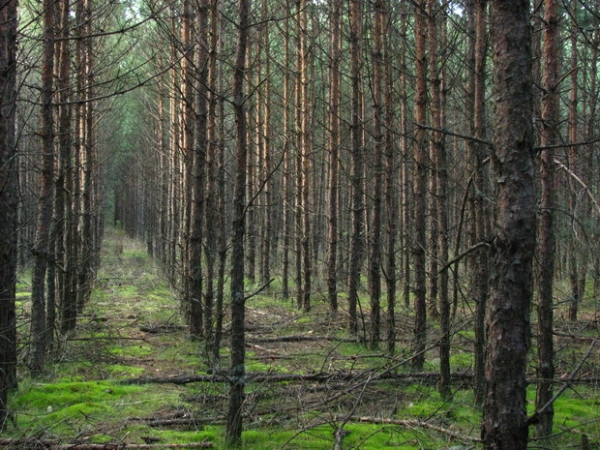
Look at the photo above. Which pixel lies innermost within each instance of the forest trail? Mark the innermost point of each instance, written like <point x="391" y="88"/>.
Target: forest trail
<point x="129" y="377"/>
<point x="306" y="377"/>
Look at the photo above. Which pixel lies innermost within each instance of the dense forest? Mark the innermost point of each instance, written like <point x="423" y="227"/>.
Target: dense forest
<point x="383" y="160"/>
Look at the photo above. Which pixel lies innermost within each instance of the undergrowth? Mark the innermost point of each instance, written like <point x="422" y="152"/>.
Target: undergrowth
<point x="82" y="396"/>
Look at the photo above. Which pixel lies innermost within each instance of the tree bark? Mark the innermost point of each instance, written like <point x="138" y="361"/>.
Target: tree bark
<point x="420" y="186"/>
<point x="508" y="319"/>
<point x="334" y="143"/>
<point x="357" y="170"/>
<point x="236" y="393"/>
<point x="8" y="205"/>
<point x="42" y="252"/>
<point x="547" y="246"/>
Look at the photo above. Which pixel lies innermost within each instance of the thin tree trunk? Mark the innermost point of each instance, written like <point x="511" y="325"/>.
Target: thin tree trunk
<point x="480" y="262"/>
<point x="375" y="258"/>
<point x="287" y="157"/>
<point x="391" y="203"/>
<point x="211" y="213"/>
<point x="199" y="311"/>
<point x="305" y="169"/>
<point x="441" y="187"/>
<point x="8" y="206"/>
<point x="357" y="169"/>
<point x="550" y="120"/>
<point x="420" y="207"/>
<point x="45" y="202"/>
<point x="236" y="394"/>
<point x="573" y="132"/>
<point x="334" y="143"/>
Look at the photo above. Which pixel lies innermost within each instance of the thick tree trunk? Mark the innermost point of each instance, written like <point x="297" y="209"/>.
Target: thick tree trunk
<point x="508" y="319"/>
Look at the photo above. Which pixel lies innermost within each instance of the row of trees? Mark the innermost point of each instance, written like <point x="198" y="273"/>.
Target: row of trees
<point x="355" y="140"/>
<point x="369" y="154"/>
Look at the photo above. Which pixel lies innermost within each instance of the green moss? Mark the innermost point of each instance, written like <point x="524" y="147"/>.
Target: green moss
<point x="462" y="360"/>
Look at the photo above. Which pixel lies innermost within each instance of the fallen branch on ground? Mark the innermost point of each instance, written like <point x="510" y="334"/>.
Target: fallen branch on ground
<point x="56" y="445"/>
<point x="320" y="377"/>
<point x="410" y="424"/>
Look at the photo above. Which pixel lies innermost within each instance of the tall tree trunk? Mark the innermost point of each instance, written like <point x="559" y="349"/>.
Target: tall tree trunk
<point x="420" y="207"/>
<point x="222" y="222"/>
<point x="199" y="311"/>
<point x="508" y="318"/>
<point x="45" y="203"/>
<point x="305" y="152"/>
<point x="550" y="120"/>
<point x="440" y="173"/>
<point x="357" y="169"/>
<point x="574" y="163"/>
<point x="8" y="205"/>
<point x="378" y="138"/>
<point x="64" y="187"/>
<point x="236" y="394"/>
<point x="334" y="143"/>
<point x="87" y="137"/>
<point x="480" y="261"/>
<point x="212" y="217"/>
<point x="391" y="203"/>
<point x="267" y="229"/>
<point x="287" y="158"/>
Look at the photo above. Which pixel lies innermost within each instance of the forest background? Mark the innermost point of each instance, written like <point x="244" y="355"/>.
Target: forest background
<point x="371" y="160"/>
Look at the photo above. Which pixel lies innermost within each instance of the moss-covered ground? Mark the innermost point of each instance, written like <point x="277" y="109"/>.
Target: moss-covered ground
<point x="84" y="398"/>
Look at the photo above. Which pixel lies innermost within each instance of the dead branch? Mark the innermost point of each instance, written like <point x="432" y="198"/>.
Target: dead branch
<point x="321" y="377"/>
<point x="56" y="445"/>
<point x="184" y="421"/>
<point x="412" y="424"/>
<point x="567" y="382"/>
<point x="300" y="338"/>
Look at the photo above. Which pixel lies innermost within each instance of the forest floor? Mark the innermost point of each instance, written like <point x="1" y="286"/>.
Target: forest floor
<point x="128" y="377"/>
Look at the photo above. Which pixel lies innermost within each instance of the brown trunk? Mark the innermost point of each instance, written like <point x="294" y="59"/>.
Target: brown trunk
<point x="378" y="138"/>
<point x="440" y="199"/>
<point x="201" y="318"/>
<point x="287" y="157"/>
<point x="391" y="203"/>
<point x="480" y="262"/>
<point x="357" y="170"/>
<point x="508" y="318"/>
<point x="8" y="206"/>
<point x="546" y="250"/>
<point x="42" y="252"/>
<point x="334" y="142"/>
<point x="212" y="217"/>
<point x="236" y="394"/>
<point x="420" y="188"/>
<point x="573" y="132"/>
<point x="305" y="152"/>
<point x="64" y="257"/>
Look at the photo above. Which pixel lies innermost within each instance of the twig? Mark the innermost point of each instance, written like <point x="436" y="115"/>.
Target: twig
<point x="413" y="424"/>
<point x="535" y="416"/>
<point x="323" y="377"/>
<point x="262" y="288"/>
<point x="25" y="443"/>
